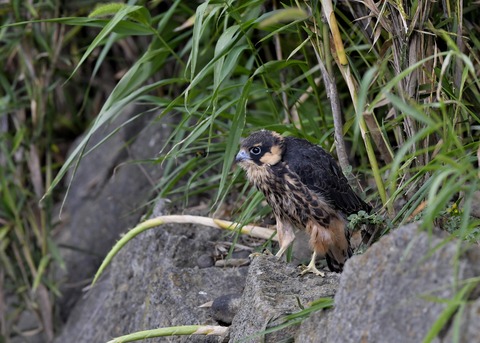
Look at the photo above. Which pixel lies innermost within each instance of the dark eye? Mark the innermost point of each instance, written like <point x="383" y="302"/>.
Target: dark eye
<point x="256" y="150"/>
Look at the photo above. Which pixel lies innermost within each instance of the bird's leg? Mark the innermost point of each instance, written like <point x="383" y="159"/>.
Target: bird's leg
<point x="285" y="236"/>
<point x="311" y="268"/>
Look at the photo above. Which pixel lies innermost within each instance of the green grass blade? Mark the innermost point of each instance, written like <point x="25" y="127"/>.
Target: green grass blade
<point x="123" y="13"/>
<point x="238" y="124"/>
<point x="448" y="312"/>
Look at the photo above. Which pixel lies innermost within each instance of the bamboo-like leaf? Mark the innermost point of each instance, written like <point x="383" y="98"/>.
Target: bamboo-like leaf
<point x="119" y="16"/>
<point x="238" y="124"/>
<point x="200" y="25"/>
<point x="276" y="66"/>
<point x="124" y="93"/>
<point x="41" y="271"/>
<point x="107" y="9"/>
<point x="123" y="27"/>
<point x="327" y="8"/>
<point x="410" y="110"/>
<point x="225" y="41"/>
<point x="140" y="14"/>
<point x="283" y="16"/>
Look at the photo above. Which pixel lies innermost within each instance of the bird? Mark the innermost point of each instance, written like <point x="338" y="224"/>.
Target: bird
<point x="306" y="189"/>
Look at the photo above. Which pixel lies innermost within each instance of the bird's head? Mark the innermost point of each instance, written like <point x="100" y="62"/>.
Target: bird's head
<point x="261" y="148"/>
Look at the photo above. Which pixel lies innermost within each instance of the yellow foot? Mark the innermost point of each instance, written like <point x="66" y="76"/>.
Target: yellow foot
<point x="266" y="252"/>
<point x="311" y="268"/>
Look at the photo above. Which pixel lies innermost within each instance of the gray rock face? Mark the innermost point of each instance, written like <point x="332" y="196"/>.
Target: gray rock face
<point x="106" y="197"/>
<point x="274" y="289"/>
<point x="384" y="294"/>
<point x="152" y="283"/>
<point x="225" y="307"/>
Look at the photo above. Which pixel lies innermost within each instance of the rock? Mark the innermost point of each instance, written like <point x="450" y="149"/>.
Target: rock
<point x="301" y="251"/>
<point x="205" y="261"/>
<point x="225" y="307"/>
<point x="28" y="325"/>
<point x="385" y="295"/>
<point x="275" y="289"/>
<point x="476" y="204"/>
<point x="154" y="282"/>
<point x="107" y="196"/>
<point x="241" y="254"/>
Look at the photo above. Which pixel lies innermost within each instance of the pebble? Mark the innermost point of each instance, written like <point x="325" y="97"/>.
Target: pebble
<point x="205" y="261"/>
<point x="225" y="307"/>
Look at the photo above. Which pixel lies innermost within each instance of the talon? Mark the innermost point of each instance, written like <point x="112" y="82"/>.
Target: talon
<point x="311" y="268"/>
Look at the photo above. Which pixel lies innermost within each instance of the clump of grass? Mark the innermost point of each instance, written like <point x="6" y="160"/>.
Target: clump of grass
<point x="41" y="114"/>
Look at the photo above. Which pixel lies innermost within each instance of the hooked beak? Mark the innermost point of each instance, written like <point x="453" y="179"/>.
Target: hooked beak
<point x="242" y="156"/>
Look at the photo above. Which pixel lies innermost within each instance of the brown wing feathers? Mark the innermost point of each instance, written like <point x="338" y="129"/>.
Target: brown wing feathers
<point x="306" y="188"/>
<point x="318" y="171"/>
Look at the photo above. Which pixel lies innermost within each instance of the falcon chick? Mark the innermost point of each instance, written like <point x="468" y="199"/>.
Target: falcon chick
<point x="306" y="190"/>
